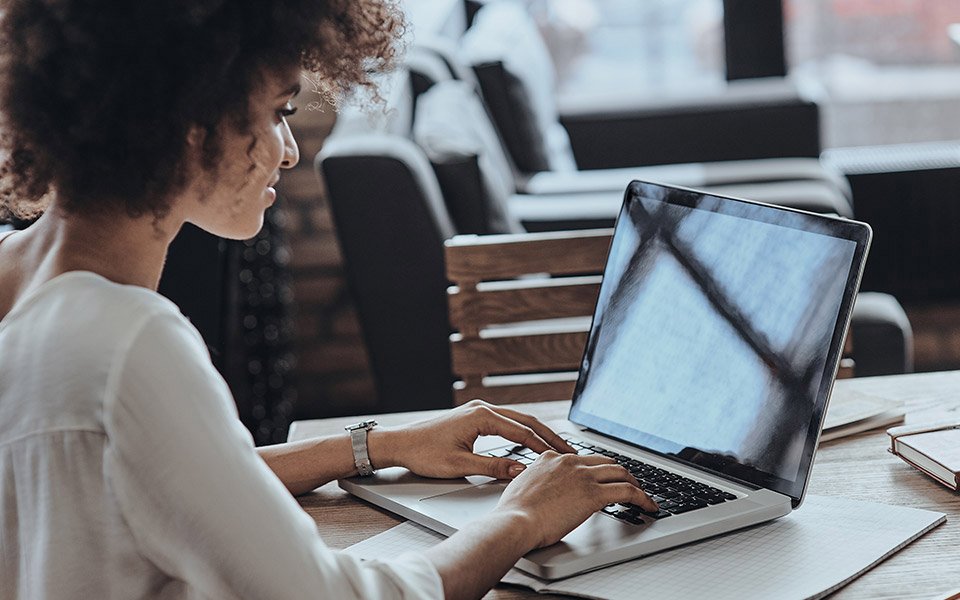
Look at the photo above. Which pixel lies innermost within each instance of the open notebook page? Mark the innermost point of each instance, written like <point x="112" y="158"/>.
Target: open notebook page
<point x="807" y="554"/>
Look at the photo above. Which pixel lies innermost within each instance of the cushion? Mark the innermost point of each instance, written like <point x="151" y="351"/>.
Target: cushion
<point x="475" y="176"/>
<point x="516" y="75"/>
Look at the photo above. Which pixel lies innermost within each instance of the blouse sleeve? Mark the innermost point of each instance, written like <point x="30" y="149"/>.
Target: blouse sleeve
<point x="201" y="503"/>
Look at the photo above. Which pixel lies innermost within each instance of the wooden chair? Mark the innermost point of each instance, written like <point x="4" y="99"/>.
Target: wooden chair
<point x="521" y="305"/>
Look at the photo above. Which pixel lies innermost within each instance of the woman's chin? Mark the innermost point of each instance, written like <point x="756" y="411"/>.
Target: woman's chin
<point x="237" y="230"/>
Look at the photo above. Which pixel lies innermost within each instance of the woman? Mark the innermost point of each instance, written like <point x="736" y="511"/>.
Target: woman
<point x="123" y="469"/>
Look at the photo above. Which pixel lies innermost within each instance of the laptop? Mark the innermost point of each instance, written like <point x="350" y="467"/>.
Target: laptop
<point x="707" y="371"/>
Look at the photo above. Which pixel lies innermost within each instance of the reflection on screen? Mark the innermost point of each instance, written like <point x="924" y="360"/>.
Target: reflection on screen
<point x="712" y="332"/>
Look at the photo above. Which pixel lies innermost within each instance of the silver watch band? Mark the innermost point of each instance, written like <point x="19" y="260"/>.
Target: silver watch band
<point x="358" y="440"/>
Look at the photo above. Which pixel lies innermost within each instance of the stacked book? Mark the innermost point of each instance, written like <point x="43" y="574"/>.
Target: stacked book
<point x="934" y="448"/>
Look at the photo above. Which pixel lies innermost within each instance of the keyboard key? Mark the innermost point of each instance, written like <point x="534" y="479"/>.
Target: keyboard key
<point x="657" y="514"/>
<point x="687" y="507"/>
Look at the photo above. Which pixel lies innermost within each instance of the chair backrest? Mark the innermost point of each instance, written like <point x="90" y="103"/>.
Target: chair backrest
<point x="521" y="306"/>
<point x="391" y="222"/>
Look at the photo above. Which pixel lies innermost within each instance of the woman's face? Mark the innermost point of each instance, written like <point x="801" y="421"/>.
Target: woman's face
<point x="242" y="186"/>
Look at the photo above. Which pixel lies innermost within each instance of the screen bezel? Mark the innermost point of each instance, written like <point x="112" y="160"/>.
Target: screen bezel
<point x="837" y="227"/>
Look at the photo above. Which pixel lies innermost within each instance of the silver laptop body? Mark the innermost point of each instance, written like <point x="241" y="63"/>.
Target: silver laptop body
<point x="712" y="354"/>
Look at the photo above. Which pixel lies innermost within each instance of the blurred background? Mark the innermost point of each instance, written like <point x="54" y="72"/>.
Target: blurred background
<point x="885" y="73"/>
<point x="882" y="75"/>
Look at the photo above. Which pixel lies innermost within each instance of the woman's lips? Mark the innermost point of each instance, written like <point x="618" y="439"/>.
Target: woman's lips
<point x="270" y="191"/>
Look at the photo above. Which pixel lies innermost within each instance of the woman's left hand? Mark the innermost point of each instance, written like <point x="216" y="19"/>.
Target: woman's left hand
<point x="443" y="446"/>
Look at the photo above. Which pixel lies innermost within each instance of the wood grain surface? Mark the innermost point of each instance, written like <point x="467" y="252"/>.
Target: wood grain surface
<point x="855" y="467"/>
<point x="582" y="251"/>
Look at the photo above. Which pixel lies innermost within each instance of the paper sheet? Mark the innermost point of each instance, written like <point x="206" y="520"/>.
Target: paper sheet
<point x="807" y="554"/>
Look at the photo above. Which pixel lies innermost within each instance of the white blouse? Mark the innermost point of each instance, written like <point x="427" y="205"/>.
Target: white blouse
<point x="125" y="473"/>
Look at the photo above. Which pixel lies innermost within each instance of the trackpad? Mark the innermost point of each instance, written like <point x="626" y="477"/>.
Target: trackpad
<point x="462" y="506"/>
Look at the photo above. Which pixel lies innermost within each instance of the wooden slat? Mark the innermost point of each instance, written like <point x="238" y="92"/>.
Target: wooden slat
<point x="508" y="256"/>
<point x="523" y="300"/>
<point x="520" y="354"/>
<point x="513" y="394"/>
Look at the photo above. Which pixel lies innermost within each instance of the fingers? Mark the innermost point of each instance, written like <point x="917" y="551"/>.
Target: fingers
<point x="549" y="436"/>
<point x="544" y="433"/>
<point x="597" y="459"/>
<point x="619" y="481"/>
<point x="614" y="472"/>
<point x="628" y="493"/>
<point x="498" y="468"/>
<point x="497" y="424"/>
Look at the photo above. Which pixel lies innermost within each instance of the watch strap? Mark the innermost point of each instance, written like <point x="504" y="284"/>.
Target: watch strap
<point x="358" y="440"/>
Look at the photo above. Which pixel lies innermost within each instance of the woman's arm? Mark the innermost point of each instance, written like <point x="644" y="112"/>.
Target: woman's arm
<point x="440" y="447"/>
<point x="307" y="464"/>
<point x="542" y="504"/>
<point x="201" y="505"/>
<point x="204" y="508"/>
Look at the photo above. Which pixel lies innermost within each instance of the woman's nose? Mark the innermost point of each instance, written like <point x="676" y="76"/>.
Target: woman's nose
<point x="291" y="153"/>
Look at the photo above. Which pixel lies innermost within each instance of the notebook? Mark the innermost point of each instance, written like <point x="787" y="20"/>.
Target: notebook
<point x="808" y="554"/>
<point x="708" y="368"/>
<point x="933" y="448"/>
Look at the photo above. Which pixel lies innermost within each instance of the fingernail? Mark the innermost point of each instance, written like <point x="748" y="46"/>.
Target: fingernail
<point x="516" y="470"/>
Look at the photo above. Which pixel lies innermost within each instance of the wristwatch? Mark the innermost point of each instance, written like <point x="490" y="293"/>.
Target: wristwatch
<point x="358" y="439"/>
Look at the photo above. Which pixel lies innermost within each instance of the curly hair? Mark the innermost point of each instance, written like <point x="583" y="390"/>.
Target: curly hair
<point x="97" y="96"/>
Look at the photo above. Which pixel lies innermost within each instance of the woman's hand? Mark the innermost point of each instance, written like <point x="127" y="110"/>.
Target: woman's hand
<point x="558" y="492"/>
<point x="443" y="447"/>
<point x="548" y="500"/>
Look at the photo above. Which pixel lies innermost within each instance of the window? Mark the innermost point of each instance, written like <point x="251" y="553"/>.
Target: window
<point x="888" y="68"/>
<point x="633" y="47"/>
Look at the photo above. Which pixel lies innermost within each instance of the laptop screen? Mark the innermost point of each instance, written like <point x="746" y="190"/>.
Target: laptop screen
<point x="718" y="331"/>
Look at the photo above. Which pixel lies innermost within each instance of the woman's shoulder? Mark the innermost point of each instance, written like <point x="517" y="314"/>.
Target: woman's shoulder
<point x="91" y="294"/>
<point x="87" y="308"/>
<point x="78" y="330"/>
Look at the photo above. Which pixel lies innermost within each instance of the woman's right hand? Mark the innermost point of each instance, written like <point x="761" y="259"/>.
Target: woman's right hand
<point x="558" y="492"/>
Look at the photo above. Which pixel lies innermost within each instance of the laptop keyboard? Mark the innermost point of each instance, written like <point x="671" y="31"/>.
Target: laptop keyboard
<point x="674" y="493"/>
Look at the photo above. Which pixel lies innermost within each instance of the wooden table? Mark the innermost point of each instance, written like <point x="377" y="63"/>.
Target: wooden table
<point x="855" y="467"/>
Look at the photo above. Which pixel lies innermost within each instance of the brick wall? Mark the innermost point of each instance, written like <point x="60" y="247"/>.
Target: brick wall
<point x="332" y="374"/>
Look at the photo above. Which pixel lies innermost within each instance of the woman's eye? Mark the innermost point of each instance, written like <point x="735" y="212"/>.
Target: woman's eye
<point x="287" y="111"/>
